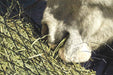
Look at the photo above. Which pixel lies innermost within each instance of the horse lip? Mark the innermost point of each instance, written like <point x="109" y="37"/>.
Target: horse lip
<point x="52" y="46"/>
<point x="58" y="45"/>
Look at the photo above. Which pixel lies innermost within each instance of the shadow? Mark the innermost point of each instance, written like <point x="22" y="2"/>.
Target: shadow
<point x="32" y="11"/>
<point x="102" y="60"/>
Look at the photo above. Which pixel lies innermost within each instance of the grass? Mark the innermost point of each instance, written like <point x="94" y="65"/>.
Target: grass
<point x="22" y="54"/>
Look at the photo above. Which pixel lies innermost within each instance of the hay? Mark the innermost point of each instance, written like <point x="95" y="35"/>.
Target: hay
<point x="22" y="54"/>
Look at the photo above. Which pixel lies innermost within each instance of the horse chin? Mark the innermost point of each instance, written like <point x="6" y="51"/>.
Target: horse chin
<point x="76" y="56"/>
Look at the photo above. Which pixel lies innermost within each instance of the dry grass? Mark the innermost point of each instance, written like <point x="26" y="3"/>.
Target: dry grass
<point x="22" y="54"/>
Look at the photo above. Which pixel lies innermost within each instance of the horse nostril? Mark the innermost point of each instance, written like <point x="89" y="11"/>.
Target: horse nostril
<point x="44" y="30"/>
